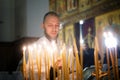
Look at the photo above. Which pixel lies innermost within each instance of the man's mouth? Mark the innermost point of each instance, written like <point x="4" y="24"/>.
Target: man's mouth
<point x="54" y="33"/>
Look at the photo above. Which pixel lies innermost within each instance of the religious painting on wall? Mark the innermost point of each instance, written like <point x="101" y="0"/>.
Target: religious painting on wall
<point x="107" y="22"/>
<point x="88" y="32"/>
<point x="87" y="4"/>
<point x="52" y="5"/>
<point x="69" y="34"/>
<point x="72" y="5"/>
<point x="63" y="7"/>
<point x="58" y="5"/>
<point x="61" y="34"/>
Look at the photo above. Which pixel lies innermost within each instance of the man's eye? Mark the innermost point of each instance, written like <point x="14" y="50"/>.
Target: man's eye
<point x="50" y="25"/>
<point x="57" y="26"/>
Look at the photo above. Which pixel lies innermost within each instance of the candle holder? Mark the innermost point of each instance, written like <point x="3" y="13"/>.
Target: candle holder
<point x="101" y="74"/>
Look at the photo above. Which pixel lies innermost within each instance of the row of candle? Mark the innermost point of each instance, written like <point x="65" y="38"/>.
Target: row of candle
<point x="111" y="55"/>
<point x="64" y="73"/>
<point x="28" y="65"/>
<point x="61" y="73"/>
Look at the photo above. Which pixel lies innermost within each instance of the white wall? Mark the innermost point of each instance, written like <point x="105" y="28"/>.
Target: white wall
<point x="21" y="18"/>
<point x="7" y="27"/>
<point x="35" y="12"/>
<point x="29" y="14"/>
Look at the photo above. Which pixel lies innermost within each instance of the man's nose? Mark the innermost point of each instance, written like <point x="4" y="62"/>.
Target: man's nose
<point x="54" y="28"/>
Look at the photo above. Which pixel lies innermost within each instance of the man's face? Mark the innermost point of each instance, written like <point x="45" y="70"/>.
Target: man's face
<point x="51" y="26"/>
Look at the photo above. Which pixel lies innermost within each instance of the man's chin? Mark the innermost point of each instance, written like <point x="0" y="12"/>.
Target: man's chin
<point x="54" y="37"/>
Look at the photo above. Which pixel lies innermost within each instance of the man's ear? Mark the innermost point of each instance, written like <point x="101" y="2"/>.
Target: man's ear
<point x="42" y="25"/>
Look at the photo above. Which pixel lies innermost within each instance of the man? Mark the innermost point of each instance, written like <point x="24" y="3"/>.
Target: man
<point x="49" y="46"/>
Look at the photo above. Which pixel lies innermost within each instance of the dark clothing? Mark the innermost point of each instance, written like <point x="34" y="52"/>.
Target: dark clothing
<point x="52" y="73"/>
<point x="88" y="57"/>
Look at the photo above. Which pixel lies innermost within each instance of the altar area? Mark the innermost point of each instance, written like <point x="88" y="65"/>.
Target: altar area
<point x="86" y="66"/>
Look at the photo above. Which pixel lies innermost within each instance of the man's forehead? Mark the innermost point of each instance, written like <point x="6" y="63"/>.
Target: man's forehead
<point x="52" y="18"/>
<point x="49" y="16"/>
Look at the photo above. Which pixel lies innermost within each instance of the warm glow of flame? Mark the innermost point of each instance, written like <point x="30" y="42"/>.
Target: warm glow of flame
<point x="30" y="48"/>
<point x="39" y="48"/>
<point x="105" y="34"/>
<point x="35" y="45"/>
<point x="81" y="22"/>
<point x="24" y="48"/>
<point x="81" y="41"/>
<point x="110" y="40"/>
<point x="70" y="49"/>
<point x="54" y="46"/>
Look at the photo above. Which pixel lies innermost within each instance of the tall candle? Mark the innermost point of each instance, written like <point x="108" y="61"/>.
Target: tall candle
<point x="96" y="59"/>
<point x="72" y="68"/>
<point x="113" y="63"/>
<point x="81" y="57"/>
<point x="31" y="63"/>
<point x="53" y="55"/>
<point x="48" y="66"/>
<point x="45" y="59"/>
<point x="69" y="56"/>
<point x="63" y="54"/>
<point x="116" y="64"/>
<point x="38" y="62"/>
<point x="54" y="67"/>
<point x="78" y="66"/>
<point x="24" y="63"/>
<point x="58" y="71"/>
<point x="108" y="63"/>
<point x="64" y="64"/>
<point x="35" y="52"/>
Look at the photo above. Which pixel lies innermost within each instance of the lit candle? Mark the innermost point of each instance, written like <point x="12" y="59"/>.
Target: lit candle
<point x="64" y="64"/>
<point x="45" y="60"/>
<point x="38" y="61"/>
<point x="78" y="67"/>
<point x="81" y="50"/>
<point x="58" y="70"/>
<point x="31" y="63"/>
<point x="113" y="63"/>
<point x="53" y="56"/>
<point x="81" y="57"/>
<point x="69" y="60"/>
<point x="108" y="63"/>
<point x="113" y="52"/>
<point x="48" y="66"/>
<point x="72" y="68"/>
<point x="96" y="59"/>
<point x="24" y="63"/>
<point x="40" y="56"/>
<point x="45" y="64"/>
<point x="116" y="60"/>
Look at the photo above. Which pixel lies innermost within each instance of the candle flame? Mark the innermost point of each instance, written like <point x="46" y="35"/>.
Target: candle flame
<point x="70" y="50"/>
<point x="39" y="48"/>
<point x="30" y="48"/>
<point x="35" y="45"/>
<point x="54" y="46"/>
<point x="81" y="21"/>
<point x="108" y="37"/>
<point x="24" y="48"/>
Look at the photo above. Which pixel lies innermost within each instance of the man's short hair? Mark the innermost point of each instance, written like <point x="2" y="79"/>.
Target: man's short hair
<point x="51" y="13"/>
